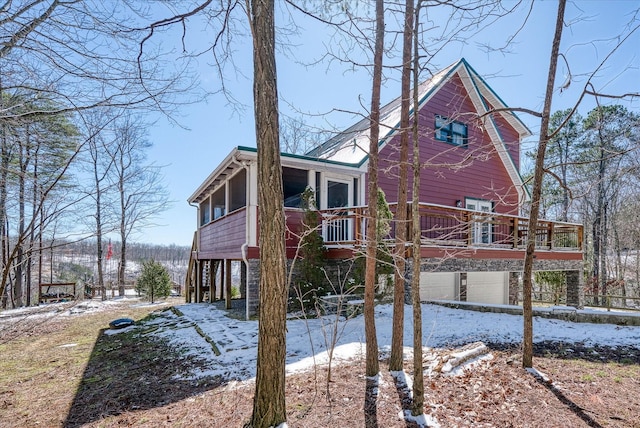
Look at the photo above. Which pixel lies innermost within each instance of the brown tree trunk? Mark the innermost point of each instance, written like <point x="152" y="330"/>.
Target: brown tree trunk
<point x="372" y="367"/>
<point x="527" y="335"/>
<point x="397" y="337"/>
<point x="417" y="407"/>
<point x="269" y="401"/>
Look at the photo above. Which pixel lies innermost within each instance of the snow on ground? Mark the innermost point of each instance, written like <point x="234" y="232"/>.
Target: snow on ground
<point x="308" y="341"/>
<point x="193" y="327"/>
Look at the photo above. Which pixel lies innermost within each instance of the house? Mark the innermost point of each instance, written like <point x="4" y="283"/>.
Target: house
<point x="471" y="194"/>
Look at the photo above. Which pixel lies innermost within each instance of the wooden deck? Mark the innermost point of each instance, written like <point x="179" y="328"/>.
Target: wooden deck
<point x="456" y="228"/>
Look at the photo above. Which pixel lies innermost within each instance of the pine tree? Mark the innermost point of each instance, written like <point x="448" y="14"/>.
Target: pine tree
<point x="154" y="281"/>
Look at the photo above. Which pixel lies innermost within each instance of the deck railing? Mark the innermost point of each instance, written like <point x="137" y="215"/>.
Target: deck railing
<point x="455" y="227"/>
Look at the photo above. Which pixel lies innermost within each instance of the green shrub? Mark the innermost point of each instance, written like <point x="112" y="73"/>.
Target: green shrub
<point x="312" y="282"/>
<point x="154" y="281"/>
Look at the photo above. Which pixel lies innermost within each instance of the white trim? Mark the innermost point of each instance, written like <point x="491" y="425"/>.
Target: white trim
<point x="471" y="87"/>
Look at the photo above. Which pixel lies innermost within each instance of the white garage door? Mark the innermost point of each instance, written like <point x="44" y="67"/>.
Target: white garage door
<point x="438" y="286"/>
<point x="487" y="287"/>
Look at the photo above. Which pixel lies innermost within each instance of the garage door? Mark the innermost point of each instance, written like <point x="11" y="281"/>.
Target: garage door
<point x="438" y="286"/>
<point x="487" y="287"/>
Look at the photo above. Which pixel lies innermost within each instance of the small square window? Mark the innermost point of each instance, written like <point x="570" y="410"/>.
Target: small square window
<point x="452" y="132"/>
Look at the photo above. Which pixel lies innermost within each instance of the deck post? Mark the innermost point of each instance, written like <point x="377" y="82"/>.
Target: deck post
<point x="213" y="280"/>
<point x="198" y="290"/>
<point x="227" y="284"/>
<point x="221" y="295"/>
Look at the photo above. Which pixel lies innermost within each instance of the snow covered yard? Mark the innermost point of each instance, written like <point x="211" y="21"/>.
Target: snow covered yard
<point x="472" y="369"/>
<point x="233" y="353"/>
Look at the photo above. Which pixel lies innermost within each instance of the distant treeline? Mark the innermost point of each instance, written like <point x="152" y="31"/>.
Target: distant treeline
<point x="172" y="254"/>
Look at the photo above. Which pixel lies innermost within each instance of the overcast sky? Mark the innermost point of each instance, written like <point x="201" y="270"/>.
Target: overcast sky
<point x="518" y="75"/>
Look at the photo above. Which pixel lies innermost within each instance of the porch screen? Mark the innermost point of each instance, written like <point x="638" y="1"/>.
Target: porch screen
<point x="205" y="212"/>
<point x="238" y="191"/>
<point x="217" y="202"/>
<point x="294" y="181"/>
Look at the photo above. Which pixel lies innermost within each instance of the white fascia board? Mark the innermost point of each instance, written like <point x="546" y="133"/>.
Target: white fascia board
<point x="319" y="165"/>
<point x="234" y="155"/>
<point x="471" y="87"/>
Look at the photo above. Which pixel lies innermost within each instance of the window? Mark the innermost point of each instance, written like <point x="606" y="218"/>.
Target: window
<point x="482" y="227"/>
<point x="451" y="131"/>
<point x="205" y="212"/>
<point x="238" y="190"/>
<point x="294" y="182"/>
<point x="337" y="194"/>
<point x="217" y="202"/>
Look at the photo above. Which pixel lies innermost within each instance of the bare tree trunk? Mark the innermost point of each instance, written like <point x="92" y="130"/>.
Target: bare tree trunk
<point x="417" y="407"/>
<point x="269" y="407"/>
<point x="397" y="338"/>
<point x="604" y="247"/>
<point x="527" y="345"/>
<point x="372" y="367"/>
<point x="4" y="230"/>
<point x="19" y="260"/>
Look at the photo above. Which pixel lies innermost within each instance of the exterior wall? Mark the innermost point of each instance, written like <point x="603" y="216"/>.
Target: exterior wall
<point x="478" y="173"/>
<point x="339" y="272"/>
<point x="224" y="237"/>
<point x="495" y="265"/>
<point x="294" y="226"/>
<point x="509" y="135"/>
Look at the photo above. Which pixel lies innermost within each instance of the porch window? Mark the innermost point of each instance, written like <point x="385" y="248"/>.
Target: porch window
<point x="205" y="212"/>
<point x="294" y="181"/>
<point x="217" y="203"/>
<point x="238" y="191"/>
<point x="451" y="131"/>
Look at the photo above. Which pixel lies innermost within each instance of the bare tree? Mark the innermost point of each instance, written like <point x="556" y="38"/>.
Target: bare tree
<point x="417" y="407"/>
<point x="80" y="55"/>
<point x="269" y="407"/>
<point x="527" y="348"/>
<point x="372" y="367"/>
<point x="141" y="195"/>
<point x="99" y="166"/>
<point x="397" y="339"/>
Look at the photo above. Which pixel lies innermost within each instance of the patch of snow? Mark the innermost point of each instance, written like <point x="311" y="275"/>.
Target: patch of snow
<point x="538" y="374"/>
<point x="420" y="420"/>
<point x="309" y="341"/>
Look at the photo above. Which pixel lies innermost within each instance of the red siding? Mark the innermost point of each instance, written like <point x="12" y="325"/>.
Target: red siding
<point x="450" y="173"/>
<point x="224" y="237"/>
<point x="293" y="224"/>
<point x="510" y="137"/>
<point x="294" y="227"/>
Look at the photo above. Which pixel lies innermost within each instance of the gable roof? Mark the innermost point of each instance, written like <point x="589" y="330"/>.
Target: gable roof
<point x="352" y="145"/>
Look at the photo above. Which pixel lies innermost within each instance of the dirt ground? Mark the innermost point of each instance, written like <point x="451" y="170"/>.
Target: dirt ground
<point x="97" y="380"/>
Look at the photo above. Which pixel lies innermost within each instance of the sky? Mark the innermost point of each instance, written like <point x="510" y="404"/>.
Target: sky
<point x="330" y="95"/>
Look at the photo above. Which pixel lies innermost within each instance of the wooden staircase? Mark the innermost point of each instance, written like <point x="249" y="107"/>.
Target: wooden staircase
<point x="200" y="278"/>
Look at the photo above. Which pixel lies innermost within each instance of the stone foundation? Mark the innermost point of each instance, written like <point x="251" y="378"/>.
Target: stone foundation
<point x="341" y="272"/>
